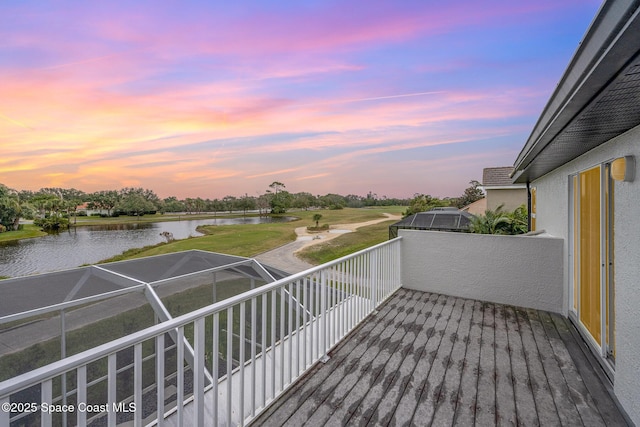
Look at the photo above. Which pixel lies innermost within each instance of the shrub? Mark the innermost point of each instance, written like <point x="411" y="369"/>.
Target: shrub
<point x="499" y="222"/>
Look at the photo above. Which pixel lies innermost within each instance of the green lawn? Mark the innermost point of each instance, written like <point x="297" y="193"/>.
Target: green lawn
<point x="250" y="240"/>
<point x="28" y="231"/>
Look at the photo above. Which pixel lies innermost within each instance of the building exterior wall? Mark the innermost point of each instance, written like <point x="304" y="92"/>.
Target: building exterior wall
<point x="476" y="208"/>
<point x="553" y="216"/>
<point x="510" y="197"/>
<point x="523" y="271"/>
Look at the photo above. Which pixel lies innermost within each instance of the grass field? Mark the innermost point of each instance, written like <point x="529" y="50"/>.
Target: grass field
<point x="250" y="240"/>
<point x="28" y="231"/>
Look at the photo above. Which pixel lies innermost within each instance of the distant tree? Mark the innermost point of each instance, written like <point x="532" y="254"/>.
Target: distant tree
<point x="72" y="198"/>
<point x="10" y="208"/>
<point x="317" y="217"/>
<point x="332" y="201"/>
<point x="246" y="203"/>
<point x="470" y="195"/>
<point x="303" y="200"/>
<point x="172" y="204"/>
<point x="104" y="200"/>
<point x="354" y="201"/>
<point x="135" y="204"/>
<point x="276" y="185"/>
<point x="280" y="201"/>
<point x="371" y="199"/>
<point x="229" y="203"/>
<point x="263" y="202"/>
<point x="424" y="202"/>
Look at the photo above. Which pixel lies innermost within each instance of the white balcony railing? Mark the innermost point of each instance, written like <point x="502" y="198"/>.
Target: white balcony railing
<point x="246" y="351"/>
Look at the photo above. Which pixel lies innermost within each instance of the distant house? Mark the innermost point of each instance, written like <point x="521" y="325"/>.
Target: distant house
<point x="579" y="165"/>
<point x="476" y="208"/>
<point x="500" y="189"/>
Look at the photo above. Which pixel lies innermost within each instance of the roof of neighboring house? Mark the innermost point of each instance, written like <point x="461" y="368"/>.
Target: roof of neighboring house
<point x="476" y="208"/>
<point x="596" y="98"/>
<point x="500" y="176"/>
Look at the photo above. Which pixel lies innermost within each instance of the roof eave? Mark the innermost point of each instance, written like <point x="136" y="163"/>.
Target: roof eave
<point x="603" y="52"/>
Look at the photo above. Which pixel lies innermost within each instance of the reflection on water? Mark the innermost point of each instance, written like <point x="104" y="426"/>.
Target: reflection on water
<point x="88" y="245"/>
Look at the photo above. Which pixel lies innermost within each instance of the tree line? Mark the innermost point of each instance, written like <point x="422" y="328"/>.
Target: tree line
<point x="53" y="207"/>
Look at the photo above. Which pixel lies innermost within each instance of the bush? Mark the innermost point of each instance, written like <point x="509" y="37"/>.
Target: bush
<point x="52" y="223"/>
<point x="498" y="222"/>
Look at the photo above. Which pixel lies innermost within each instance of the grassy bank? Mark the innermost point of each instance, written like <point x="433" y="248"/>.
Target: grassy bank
<point x="250" y="240"/>
<point x="28" y="231"/>
<point x="123" y="219"/>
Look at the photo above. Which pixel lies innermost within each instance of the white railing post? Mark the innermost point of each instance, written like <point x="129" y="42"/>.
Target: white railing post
<point x="323" y="316"/>
<point x="46" y="396"/>
<point x="5" y="412"/>
<point x="198" y="371"/>
<point x="112" y="382"/>
<point x="373" y="278"/>
<point x="81" y="397"/>
<point x="160" y="378"/>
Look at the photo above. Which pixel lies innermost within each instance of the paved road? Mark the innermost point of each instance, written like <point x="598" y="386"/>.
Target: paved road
<point x="285" y="257"/>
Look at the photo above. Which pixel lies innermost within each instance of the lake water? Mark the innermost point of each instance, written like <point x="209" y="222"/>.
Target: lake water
<point x="90" y="244"/>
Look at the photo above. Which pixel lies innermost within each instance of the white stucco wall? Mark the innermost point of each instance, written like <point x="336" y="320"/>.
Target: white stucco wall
<point x="553" y="216"/>
<point x="515" y="270"/>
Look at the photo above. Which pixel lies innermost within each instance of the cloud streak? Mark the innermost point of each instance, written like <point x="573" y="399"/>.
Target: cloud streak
<point x="215" y="99"/>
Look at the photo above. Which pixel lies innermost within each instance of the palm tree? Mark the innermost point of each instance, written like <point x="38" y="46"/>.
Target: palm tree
<point x="492" y="222"/>
<point x="317" y="217"/>
<point x="499" y="222"/>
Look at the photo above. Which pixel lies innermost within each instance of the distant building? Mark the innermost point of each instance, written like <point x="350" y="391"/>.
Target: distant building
<point x="500" y="190"/>
<point x="476" y="208"/>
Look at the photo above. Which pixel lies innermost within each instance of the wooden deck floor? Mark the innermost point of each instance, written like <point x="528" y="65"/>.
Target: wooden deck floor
<point x="428" y="359"/>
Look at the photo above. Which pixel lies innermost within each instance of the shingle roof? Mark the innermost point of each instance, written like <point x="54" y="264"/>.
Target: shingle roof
<point x="497" y="176"/>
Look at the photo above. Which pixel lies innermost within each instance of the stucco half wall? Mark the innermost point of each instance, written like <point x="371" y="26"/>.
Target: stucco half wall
<point x="524" y="271"/>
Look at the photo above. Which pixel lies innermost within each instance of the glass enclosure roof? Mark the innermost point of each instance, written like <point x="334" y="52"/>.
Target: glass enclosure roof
<point x="25" y="294"/>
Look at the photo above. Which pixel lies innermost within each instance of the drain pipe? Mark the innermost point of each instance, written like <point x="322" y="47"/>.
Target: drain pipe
<point x="528" y="205"/>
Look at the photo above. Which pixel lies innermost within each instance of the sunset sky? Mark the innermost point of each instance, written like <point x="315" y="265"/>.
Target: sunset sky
<point x="215" y="98"/>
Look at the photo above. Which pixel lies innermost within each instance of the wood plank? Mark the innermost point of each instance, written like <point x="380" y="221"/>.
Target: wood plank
<point x="403" y="414"/>
<point x="344" y="378"/>
<point x="448" y="399"/>
<point x="592" y="380"/>
<point x="486" y="401"/>
<point x="505" y="403"/>
<point x="526" y="410"/>
<point x="347" y="403"/>
<point x="579" y="393"/>
<point x="466" y="407"/>
<point x="429" y="359"/>
<point x="425" y="329"/>
<point x="304" y="392"/>
<point x="379" y="403"/>
<point x="545" y="407"/>
<point x="565" y="406"/>
<point x="434" y="387"/>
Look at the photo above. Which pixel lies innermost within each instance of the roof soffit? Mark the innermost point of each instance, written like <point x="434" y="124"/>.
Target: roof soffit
<point x="600" y="84"/>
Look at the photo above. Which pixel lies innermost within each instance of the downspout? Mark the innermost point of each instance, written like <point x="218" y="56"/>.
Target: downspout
<point x="528" y="206"/>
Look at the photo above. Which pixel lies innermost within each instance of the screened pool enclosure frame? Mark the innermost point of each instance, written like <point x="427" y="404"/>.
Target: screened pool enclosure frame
<point x="440" y="219"/>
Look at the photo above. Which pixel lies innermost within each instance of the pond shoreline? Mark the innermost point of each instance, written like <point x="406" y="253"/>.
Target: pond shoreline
<point x="123" y="220"/>
<point x="91" y="243"/>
